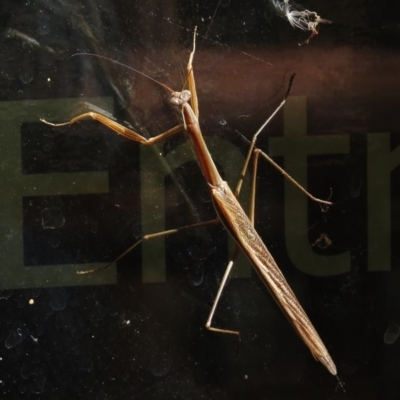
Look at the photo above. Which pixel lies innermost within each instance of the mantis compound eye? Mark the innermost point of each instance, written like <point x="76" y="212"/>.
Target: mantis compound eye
<point x="178" y="98"/>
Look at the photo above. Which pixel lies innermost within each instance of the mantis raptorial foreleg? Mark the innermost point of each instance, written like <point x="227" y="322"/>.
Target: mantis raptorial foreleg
<point x="120" y="129"/>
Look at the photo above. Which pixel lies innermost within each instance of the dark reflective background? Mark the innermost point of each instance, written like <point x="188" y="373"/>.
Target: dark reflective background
<point x="76" y="198"/>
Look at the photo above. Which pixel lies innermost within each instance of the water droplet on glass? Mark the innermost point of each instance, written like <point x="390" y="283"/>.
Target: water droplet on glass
<point x="85" y="364"/>
<point x="26" y="77"/>
<point x="222" y="122"/>
<point x="160" y="365"/>
<point x="54" y="242"/>
<point x="58" y="299"/>
<point x="392" y="333"/>
<point x="52" y="218"/>
<point x="13" y="339"/>
<point x="196" y="275"/>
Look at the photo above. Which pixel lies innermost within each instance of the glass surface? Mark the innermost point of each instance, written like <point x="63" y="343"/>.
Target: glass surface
<point x="75" y="198"/>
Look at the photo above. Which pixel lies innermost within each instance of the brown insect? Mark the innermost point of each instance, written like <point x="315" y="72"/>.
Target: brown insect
<point x="229" y="212"/>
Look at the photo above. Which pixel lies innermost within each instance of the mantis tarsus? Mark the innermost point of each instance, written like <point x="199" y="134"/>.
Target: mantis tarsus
<point x="229" y="212"/>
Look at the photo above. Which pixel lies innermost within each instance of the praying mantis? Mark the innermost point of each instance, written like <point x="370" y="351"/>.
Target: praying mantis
<point x="229" y="213"/>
